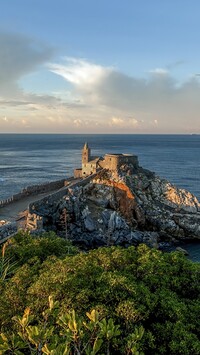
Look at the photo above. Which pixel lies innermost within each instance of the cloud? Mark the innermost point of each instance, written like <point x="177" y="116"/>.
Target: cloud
<point x="125" y="122"/>
<point x="109" y="87"/>
<point x="175" y="105"/>
<point x="117" y="121"/>
<point x="80" y="72"/>
<point x="175" y="64"/>
<point x="78" y="122"/>
<point x="22" y="111"/>
<point x="159" y="71"/>
<point x="97" y="98"/>
<point x="27" y="99"/>
<point x="19" y="56"/>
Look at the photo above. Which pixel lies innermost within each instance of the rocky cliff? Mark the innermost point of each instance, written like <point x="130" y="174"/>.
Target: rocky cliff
<point x="125" y="207"/>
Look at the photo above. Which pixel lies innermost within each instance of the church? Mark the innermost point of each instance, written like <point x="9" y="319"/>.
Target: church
<point x="112" y="162"/>
<point x="90" y="164"/>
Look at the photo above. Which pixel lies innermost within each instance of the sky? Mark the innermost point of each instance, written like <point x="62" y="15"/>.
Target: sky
<point x="107" y="66"/>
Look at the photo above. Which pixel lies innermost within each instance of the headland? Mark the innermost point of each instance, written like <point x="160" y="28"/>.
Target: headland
<point x="111" y="200"/>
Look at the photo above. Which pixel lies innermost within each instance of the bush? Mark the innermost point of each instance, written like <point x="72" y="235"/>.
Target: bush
<point x="142" y="290"/>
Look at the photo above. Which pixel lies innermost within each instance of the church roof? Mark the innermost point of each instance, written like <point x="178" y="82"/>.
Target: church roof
<point x="86" y="145"/>
<point x="94" y="160"/>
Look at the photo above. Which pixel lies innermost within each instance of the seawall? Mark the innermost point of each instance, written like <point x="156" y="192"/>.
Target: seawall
<point x="8" y="230"/>
<point x="34" y="190"/>
<point x="54" y="197"/>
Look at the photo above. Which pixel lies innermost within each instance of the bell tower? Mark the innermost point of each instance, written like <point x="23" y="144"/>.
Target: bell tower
<point x="85" y="154"/>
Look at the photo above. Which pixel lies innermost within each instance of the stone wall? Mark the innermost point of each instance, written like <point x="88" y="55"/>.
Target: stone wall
<point x="44" y="203"/>
<point x="34" y="221"/>
<point x="78" y="173"/>
<point x="111" y="162"/>
<point x="34" y="190"/>
<point x="114" y="161"/>
<point x="89" y="168"/>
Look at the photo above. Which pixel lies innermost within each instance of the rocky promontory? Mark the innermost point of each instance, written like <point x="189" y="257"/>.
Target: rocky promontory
<point x="124" y="207"/>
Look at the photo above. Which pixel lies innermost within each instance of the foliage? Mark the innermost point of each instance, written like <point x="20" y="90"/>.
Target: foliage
<point x="76" y="335"/>
<point x="24" y="247"/>
<point x="7" y="265"/>
<point x="137" y="300"/>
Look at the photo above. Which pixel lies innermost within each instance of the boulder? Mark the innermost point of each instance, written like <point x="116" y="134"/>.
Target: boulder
<point x="89" y="223"/>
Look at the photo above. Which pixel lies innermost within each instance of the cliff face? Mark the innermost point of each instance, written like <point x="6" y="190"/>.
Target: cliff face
<point x="171" y="211"/>
<point x="125" y="207"/>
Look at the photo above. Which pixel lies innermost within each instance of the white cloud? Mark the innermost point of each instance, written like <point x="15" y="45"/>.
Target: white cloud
<point x="117" y="121"/>
<point x="101" y="99"/>
<point x="114" y="96"/>
<point x="125" y="122"/>
<point x="78" y="122"/>
<point x="159" y="71"/>
<point x="133" y="122"/>
<point x="80" y="72"/>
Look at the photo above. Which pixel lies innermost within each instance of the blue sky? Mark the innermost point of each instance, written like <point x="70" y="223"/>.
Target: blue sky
<point x="99" y="66"/>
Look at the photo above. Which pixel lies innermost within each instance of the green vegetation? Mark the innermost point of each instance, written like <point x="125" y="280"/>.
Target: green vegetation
<point x="56" y="300"/>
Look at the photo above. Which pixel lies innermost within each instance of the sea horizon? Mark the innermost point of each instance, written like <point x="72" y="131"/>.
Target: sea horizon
<point x="101" y="134"/>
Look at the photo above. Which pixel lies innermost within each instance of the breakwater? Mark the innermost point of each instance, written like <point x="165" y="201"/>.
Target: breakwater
<point x="34" y="190"/>
<point x="7" y="230"/>
<point x="46" y="201"/>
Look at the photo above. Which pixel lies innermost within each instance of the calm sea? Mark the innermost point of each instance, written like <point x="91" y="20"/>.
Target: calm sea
<point x="27" y="159"/>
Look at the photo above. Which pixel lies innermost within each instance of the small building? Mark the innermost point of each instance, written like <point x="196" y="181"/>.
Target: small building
<point x="91" y="164"/>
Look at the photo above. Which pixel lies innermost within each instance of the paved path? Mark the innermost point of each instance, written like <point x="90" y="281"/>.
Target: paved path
<point x="10" y="212"/>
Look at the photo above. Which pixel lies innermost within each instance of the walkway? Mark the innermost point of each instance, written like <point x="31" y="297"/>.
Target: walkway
<point x="14" y="210"/>
<point x="10" y="212"/>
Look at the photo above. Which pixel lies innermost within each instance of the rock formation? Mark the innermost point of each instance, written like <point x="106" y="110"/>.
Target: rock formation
<point x="128" y="206"/>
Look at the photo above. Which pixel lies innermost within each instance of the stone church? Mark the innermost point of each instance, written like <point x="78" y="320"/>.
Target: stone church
<point x="91" y="164"/>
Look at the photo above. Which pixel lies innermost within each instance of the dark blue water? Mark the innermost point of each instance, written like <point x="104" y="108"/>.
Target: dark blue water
<point x="31" y="159"/>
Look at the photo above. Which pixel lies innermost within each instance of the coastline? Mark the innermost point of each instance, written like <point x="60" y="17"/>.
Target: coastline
<point x="41" y="192"/>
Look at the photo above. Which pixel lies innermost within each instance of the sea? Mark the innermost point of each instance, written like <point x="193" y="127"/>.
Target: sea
<point x="29" y="159"/>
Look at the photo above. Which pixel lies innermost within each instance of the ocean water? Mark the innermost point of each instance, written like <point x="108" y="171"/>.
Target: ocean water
<point x="27" y="159"/>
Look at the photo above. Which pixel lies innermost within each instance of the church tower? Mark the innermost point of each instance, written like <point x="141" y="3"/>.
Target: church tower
<point x="85" y="155"/>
